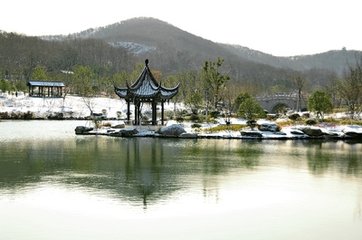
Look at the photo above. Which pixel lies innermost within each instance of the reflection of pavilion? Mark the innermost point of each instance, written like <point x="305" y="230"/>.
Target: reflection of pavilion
<point x="146" y="89"/>
<point x="144" y="167"/>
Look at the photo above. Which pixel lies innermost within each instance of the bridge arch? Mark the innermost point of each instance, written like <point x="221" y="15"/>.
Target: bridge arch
<point x="280" y="108"/>
<point x="275" y="103"/>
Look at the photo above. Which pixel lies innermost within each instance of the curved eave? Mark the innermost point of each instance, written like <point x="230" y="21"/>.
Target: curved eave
<point x="165" y="95"/>
<point x="121" y="92"/>
<point x="170" y="89"/>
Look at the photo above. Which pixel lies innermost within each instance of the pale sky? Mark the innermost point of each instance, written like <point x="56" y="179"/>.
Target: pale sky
<point x="278" y="27"/>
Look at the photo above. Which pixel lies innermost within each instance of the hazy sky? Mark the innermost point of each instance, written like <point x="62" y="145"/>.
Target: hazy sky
<point x="278" y="27"/>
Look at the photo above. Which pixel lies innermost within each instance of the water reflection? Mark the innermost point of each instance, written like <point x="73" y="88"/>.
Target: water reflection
<point x="132" y="169"/>
<point x="334" y="156"/>
<point x="151" y="168"/>
<point x="99" y="187"/>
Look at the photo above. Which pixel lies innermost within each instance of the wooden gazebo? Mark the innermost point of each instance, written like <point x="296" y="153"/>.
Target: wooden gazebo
<point x="146" y="89"/>
<point x="45" y="88"/>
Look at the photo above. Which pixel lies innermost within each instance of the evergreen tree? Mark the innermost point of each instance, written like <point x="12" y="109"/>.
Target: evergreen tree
<point x="39" y="73"/>
<point x="214" y="81"/>
<point x="320" y="102"/>
<point x="250" y="109"/>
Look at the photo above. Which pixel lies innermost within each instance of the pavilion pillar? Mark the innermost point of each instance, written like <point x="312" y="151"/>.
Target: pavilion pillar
<point x="154" y="112"/>
<point x="139" y="113"/>
<point x="128" y="111"/>
<point x="135" y="113"/>
<point x="162" y="112"/>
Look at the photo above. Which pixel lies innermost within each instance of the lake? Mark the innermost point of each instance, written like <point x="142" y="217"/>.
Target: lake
<point x="56" y="185"/>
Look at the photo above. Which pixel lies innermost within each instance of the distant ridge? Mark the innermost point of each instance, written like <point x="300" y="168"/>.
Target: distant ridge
<point x="172" y="50"/>
<point x="154" y="35"/>
<point x="333" y="60"/>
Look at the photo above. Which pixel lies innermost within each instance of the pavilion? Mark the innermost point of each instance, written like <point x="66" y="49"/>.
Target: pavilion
<point x="146" y="89"/>
<point x="45" y="89"/>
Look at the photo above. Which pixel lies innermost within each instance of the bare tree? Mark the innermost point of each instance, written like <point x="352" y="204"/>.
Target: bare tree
<point x="350" y="89"/>
<point x="214" y="80"/>
<point x="299" y="83"/>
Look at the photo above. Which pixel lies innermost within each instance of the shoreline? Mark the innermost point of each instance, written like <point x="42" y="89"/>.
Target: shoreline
<point x="155" y="132"/>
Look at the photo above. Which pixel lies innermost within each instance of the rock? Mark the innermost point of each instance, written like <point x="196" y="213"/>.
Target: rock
<point x="297" y="132"/>
<point x="173" y="130"/>
<point x="188" y="135"/>
<point x="120" y="125"/>
<point x="128" y="132"/>
<point x="353" y="131"/>
<point x="294" y="116"/>
<point x="271" y="127"/>
<point x="251" y="134"/>
<point x="125" y="133"/>
<point x="82" y="129"/>
<point x="353" y="135"/>
<point x="313" y="132"/>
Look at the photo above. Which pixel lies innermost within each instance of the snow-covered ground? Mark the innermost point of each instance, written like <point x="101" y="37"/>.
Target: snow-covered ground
<point x="70" y="106"/>
<point x="115" y="108"/>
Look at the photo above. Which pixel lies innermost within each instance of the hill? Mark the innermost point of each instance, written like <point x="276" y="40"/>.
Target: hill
<point x="172" y="50"/>
<point x="20" y="54"/>
<point x="334" y="60"/>
<point x="120" y="46"/>
<point x="169" y="48"/>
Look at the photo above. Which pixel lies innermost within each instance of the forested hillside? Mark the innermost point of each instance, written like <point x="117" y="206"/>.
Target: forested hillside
<point x="333" y="61"/>
<point x="19" y="55"/>
<point x="118" y="48"/>
<point x="172" y="50"/>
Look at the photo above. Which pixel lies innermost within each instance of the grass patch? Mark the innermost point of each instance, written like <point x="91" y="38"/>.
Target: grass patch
<point x="343" y="121"/>
<point x="224" y="127"/>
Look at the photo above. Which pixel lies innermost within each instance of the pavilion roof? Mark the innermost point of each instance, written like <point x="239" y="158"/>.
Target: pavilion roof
<point x="146" y="87"/>
<point x="35" y="83"/>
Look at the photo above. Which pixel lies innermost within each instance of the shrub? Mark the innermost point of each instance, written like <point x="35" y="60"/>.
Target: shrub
<point x="179" y="119"/>
<point x="311" y="121"/>
<point x="194" y="117"/>
<point x="214" y="114"/>
<point x="196" y="125"/>
<point x="106" y="124"/>
<point x="294" y="116"/>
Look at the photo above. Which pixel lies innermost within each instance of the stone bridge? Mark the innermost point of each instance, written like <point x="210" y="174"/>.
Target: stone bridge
<point x="281" y="102"/>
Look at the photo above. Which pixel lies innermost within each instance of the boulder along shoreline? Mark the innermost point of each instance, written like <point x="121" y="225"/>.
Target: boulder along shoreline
<point x="177" y="131"/>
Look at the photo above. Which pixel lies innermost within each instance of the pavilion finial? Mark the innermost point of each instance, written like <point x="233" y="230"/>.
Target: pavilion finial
<point x="146" y="62"/>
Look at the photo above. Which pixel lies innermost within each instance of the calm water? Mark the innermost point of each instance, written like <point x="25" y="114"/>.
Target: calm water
<point x="55" y="185"/>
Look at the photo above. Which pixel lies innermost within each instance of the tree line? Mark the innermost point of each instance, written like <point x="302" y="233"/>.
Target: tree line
<point x="209" y="89"/>
<point x="20" y="55"/>
<point x="92" y="67"/>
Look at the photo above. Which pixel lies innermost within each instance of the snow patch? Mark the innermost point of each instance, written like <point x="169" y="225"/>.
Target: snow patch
<point x="135" y="48"/>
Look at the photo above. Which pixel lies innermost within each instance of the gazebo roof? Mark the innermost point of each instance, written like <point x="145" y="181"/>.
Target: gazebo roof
<point x="146" y="87"/>
<point x="35" y="83"/>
